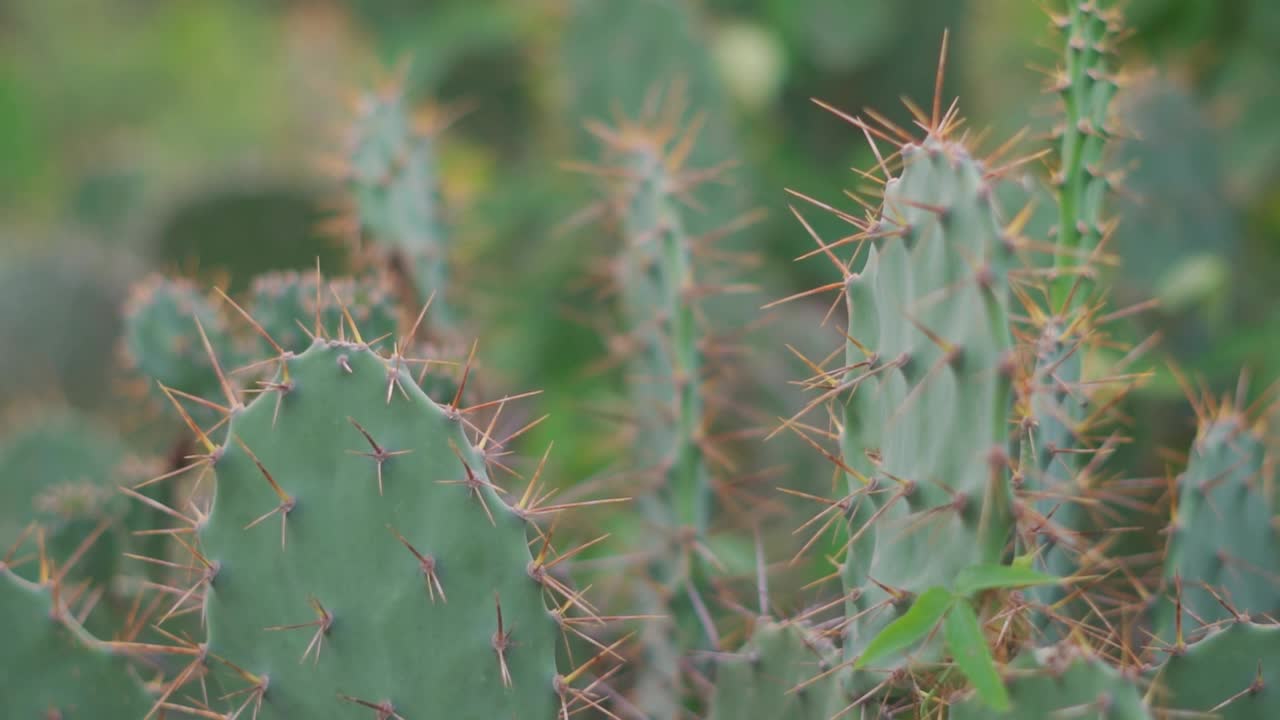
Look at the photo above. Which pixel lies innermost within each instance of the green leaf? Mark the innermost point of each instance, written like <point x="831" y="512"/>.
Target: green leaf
<point x="969" y="649"/>
<point x="985" y="577"/>
<point x="904" y="632"/>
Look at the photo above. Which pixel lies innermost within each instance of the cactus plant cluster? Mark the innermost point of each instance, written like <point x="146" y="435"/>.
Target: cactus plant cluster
<point x="335" y="534"/>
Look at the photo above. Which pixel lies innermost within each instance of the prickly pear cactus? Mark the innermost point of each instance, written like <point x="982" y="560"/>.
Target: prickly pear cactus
<point x="290" y="306"/>
<point x="928" y="376"/>
<point x="162" y="335"/>
<point x="1086" y="86"/>
<point x="1231" y="674"/>
<point x="655" y="277"/>
<point x="357" y="555"/>
<point x="785" y="671"/>
<point x="1222" y="540"/>
<point x="51" y="668"/>
<point x="391" y="170"/>
<point x="1063" y="682"/>
<point x="1054" y="407"/>
<point x="59" y="470"/>
<point x="1055" y="396"/>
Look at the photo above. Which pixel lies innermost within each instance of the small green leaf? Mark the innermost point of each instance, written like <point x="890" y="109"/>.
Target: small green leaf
<point x="904" y="632"/>
<point x="985" y="577"/>
<point x="969" y="649"/>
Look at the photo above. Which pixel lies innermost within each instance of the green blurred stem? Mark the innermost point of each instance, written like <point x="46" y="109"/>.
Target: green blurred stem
<point x="1086" y="88"/>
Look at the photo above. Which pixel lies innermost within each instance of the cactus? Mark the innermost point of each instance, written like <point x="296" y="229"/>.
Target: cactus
<point x="167" y="322"/>
<point x="655" y="277"/>
<point x="291" y="305"/>
<point x="1057" y="398"/>
<point x="391" y="170"/>
<point x="785" y="670"/>
<point x="1232" y="673"/>
<point x="1220" y="559"/>
<point x="1063" y="681"/>
<point x="50" y="667"/>
<point x="1086" y="86"/>
<point x="352" y="526"/>
<point x="928" y="377"/>
<point x="59" y="470"/>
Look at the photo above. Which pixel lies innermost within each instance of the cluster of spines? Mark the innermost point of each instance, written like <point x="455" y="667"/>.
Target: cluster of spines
<point x="293" y="306"/>
<point x="295" y="373"/>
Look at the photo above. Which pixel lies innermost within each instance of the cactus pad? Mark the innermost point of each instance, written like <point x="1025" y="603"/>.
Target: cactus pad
<point x="1063" y="682"/>
<point x="1232" y="674"/>
<point x="356" y="554"/>
<point x="287" y="306"/>
<point x="1223" y="538"/>
<point x="929" y="368"/>
<point x="781" y="673"/>
<point x="392" y="173"/>
<point x="162" y="339"/>
<point x="51" y="668"/>
<point x="58" y="471"/>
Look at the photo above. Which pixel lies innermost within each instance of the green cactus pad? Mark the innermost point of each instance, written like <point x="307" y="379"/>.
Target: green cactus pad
<point x="1055" y="407"/>
<point x="1086" y="86"/>
<point x="356" y="552"/>
<point x="655" y="276"/>
<point x="161" y="338"/>
<point x="285" y="305"/>
<point x="1223" y="539"/>
<point x="930" y="375"/>
<point x="392" y="173"/>
<point x="779" y="674"/>
<point x="51" y="668"/>
<point x="1062" y="682"/>
<point x="58" y="470"/>
<point x="1232" y="674"/>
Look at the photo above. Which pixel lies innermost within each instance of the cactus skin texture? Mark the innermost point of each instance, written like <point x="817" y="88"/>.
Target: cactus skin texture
<point x="163" y="341"/>
<point x="926" y="428"/>
<point x="287" y="305"/>
<point x="1231" y="674"/>
<point x="51" y="668"/>
<point x="760" y="682"/>
<point x="1223" y="539"/>
<point x="349" y="568"/>
<point x="1063" y="682"/>
<point x="392" y="176"/>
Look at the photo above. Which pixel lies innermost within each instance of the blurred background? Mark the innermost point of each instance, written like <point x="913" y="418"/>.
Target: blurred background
<point x="194" y="137"/>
